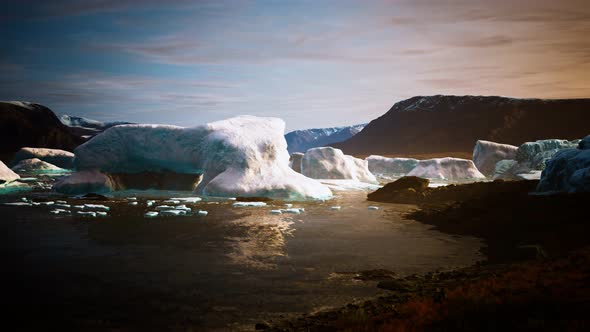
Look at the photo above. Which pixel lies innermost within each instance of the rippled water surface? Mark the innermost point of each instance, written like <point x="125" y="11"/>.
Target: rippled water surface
<point x="225" y="271"/>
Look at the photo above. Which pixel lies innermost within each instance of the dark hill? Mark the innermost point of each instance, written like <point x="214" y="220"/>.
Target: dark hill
<point x="32" y="125"/>
<point x="437" y="124"/>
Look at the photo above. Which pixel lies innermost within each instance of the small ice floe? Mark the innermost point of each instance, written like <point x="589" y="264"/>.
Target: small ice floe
<point x="60" y="211"/>
<point x="173" y="213"/>
<point x="47" y="203"/>
<point x="276" y="212"/>
<point x="231" y="198"/>
<point x="61" y="202"/>
<point x="172" y="201"/>
<point x="245" y="204"/>
<point x="293" y="211"/>
<point x="24" y="199"/>
<point x="372" y="207"/>
<point x="186" y="199"/>
<point x="86" y="213"/>
<point x="131" y="198"/>
<point x="19" y="204"/>
<point x="335" y="208"/>
<point x="133" y="203"/>
<point x="151" y="214"/>
<point x="101" y="214"/>
<point x="96" y="207"/>
<point x="62" y="206"/>
<point x="183" y="207"/>
<point x="164" y="207"/>
<point x="202" y="213"/>
<point x="78" y="207"/>
<point x="288" y="205"/>
<point x="150" y="203"/>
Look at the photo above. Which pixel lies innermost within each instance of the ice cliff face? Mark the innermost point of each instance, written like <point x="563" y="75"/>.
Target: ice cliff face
<point x="302" y="140"/>
<point x="390" y="168"/>
<point x="447" y="169"/>
<point x="241" y="156"/>
<point x="568" y="171"/>
<point x="330" y="163"/>
<point x="81" y="122"/>
<point x="486" y="154"/>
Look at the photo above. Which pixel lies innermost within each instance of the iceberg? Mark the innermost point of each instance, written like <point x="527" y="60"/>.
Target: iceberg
<point x="59" y="158"/>
<point x="390" y="168"/>
<point x="6" y="174"/>
<point x="486" y="154"/>
<point x="330" y="163"/>
<point x="447" y="169"/>
<point x="241" y="156"/>
<point x="568" y="171"/>
<point x="89" y="181"/>
<point x="295" y="161"/>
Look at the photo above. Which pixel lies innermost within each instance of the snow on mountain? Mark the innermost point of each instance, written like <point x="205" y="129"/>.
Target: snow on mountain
<point x="81" y="122"/>
<point x="240" y="156"/>
<point x="302" y="140"/>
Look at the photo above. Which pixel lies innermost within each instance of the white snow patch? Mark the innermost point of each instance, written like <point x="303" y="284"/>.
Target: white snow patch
<point x="249" y="204"/>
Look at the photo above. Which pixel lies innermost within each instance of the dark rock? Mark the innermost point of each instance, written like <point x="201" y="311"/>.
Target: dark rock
<point x="261" y="326"/>
<point x="375" y="275"/>
<point x="253" y="199"/>
<point x="394" y="285"/>
<point x="435" y="124"/>
<point x="405" y="188"/>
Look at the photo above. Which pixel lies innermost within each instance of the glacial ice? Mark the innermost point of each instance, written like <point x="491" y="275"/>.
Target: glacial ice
<point x="249" y="204"/>
<point x="295" y="161"/>
<point x="59" y="158"/>
<point x="96" y="207"/>
<point x="276" y="212"/>
<point x="6" y="174"/>
<point x="330" y="163"/>
<point x="486" y="154"/>
<point x="86" y="213"/>
<point x="372" y="207"/>
<point x="335" y="208"/>
<point x="447" y="169"/>
<point x="202" y="213"/>
<point x="151" y="214"/>
<point x="568" y="171"/>
<point x="89" y="181"/>
<point x="241" y="156"/>
<point x="168" y="213"/>
<point x="390" y="168"/>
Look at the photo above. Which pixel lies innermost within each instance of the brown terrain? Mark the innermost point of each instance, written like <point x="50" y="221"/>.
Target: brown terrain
<point x="33" y="126"/>
<point x="430" y="125"/>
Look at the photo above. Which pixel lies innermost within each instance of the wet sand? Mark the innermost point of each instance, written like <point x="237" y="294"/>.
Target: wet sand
<point x="226" y="271"/>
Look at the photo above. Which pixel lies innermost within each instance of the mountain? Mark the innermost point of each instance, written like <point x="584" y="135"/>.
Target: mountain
<point x="25" y="124"/>
<point x="80" y="122"/>
<point x="302" y="140"/>
<point x="437" y="124"/>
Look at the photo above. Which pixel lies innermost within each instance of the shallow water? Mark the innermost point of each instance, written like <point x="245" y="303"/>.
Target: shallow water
<point x="224" y="271"/>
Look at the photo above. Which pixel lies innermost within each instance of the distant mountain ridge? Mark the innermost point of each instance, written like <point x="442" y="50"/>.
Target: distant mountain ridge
<point x="81" y="122"/>
<point x="302" y="140"/>
<point x="434" y="124"/>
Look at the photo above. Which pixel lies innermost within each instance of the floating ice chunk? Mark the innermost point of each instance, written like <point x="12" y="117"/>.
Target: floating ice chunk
<point x="172" y="213"/>
<point x="330" y="163"/>
<point x="19" y="204"/>
<point x="59" y="158"/>
<point x="133" y="203"/>
<point x="202" y="213"/>
<point x="288" y="205"/>
<point x="150" y="203"/>
<point x="172" y="201"/>
<point x="231" y="198"/>
<point x="187" y="199"/>
<point x="131" y="198"/>
<point x="78" y="207"/>
<point x="60" y="211"/>
<point x="101" y="214"/>
<point x="164" y="207"/>
<point x="390" y="168"/>
<point x="46" y="203"/>
<point x="302" y="209"/>
<point x="183" y="207"/>
<point x="447" y="169"/>
<point x="96" y="207"/>
<point x="276" y="212"/>
<point x="24" y="199"/>
<point x="293" y="211"/>
<point x="372" y="207"/>
<point x="248" y="204"/>
<point x="62" y="206"/>
<point x="86" y="213"/>
<point x="61" y="202"/>
<point x="151" y="214"/>
<point x="335" y="208"/>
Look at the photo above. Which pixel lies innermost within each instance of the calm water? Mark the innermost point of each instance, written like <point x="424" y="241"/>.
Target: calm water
<point x="225" y="271"/>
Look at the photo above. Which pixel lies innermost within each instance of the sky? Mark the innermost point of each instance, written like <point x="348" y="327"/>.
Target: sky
<point x="312" y="63"/>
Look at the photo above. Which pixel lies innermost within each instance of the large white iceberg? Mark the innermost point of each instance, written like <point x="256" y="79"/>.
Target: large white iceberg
<point x="390" y="168"/>
<point x="330" y="163"/>
<point x="241" y="156"/>
<point x="447" y="169"/>
<point x="59" y="158"/>
<point x="486" y="154"/>
<point x="568" y="171"/>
